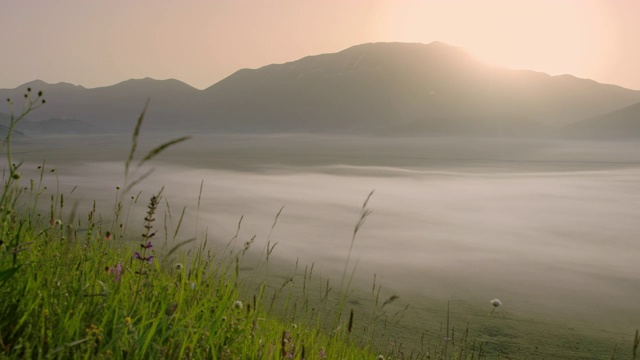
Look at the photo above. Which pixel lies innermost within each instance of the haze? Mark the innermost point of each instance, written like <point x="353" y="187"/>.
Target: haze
<point x="99" y="43"/>
<point x="489" y="181"/>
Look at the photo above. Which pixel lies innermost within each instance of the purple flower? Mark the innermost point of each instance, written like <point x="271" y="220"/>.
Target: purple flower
<point x="142" y="258"/>
<point x="147" y="246"/>
<point x="116" y="271"/>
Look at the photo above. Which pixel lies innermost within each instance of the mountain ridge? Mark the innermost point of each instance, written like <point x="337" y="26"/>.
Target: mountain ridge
<point x="374" y="88"/>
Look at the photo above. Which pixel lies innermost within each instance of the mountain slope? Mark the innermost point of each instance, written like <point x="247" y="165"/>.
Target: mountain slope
<point x="620" y="124"/>
<point x="402" y="88"/>
<point x="112" y="108"/>
<point x="380" y="88"/>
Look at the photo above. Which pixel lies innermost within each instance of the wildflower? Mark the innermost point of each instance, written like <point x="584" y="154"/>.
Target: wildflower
<point x="178" y="266"/>
<point x="148" y="225"/>
<point x="496" y="303"/>
<point x="108" y="235"/>
<point x="94" y="331"/>
<point x="380" y="357"/>
<point x="237" y="305"/>
<point x="58" y="222"/>
<point x="117" y="271"/>
<point x="142" y="258"/>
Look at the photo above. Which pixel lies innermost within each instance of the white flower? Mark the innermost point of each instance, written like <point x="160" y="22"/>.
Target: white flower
<point x="237" y="305"/>
<point x="496" y="302"/>
<point x="178" y="266"/>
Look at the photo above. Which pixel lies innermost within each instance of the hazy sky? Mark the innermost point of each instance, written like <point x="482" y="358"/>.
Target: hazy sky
<point x="102" y="42"/>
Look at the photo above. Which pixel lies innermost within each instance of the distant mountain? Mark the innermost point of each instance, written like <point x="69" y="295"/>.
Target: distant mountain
<point x="113" y="108"/>
<point x="27" y="127"/>
<point x="620" y="124"/>
<point x="379" y="88"/>
<point x="403" y="88"/>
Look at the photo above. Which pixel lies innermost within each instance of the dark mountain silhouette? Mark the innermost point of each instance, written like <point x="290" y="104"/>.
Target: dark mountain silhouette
<point x="112" y="108"/>
<point x="620" y="124"/>
<point x="380" y="88"/>
<point x="403" y="88"/>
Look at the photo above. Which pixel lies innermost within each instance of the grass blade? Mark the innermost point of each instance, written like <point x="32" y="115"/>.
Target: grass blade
<point x="160" y="148"/>
<point x="134" y="140"/>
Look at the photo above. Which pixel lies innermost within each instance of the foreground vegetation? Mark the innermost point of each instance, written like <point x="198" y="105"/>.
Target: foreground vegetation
<point x="79" y="286"/>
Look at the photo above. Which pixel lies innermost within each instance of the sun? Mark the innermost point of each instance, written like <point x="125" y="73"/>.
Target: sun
<point x="551" y="36"/>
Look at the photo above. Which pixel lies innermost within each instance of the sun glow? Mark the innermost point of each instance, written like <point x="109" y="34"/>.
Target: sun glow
<point x="550" y="36"/>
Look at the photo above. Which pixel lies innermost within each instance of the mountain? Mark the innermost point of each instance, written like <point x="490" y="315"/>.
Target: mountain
<point x="377" y="88"/>
<point x="402" y="88"/>
<point x="112" y="108"/>
<point x="620" y="124"/>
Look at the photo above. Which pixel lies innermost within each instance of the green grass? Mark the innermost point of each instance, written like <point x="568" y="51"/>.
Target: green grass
<point x="65" y="301"/>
